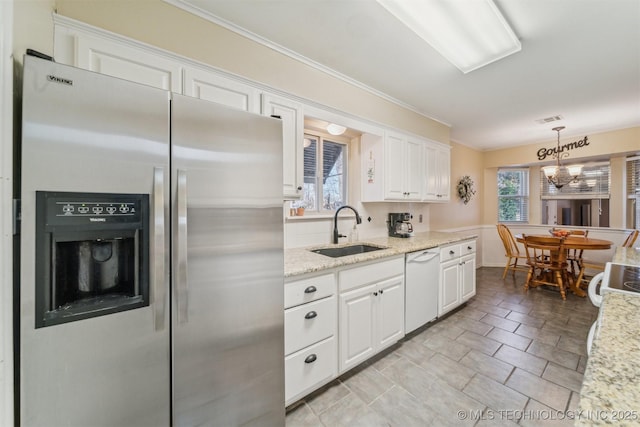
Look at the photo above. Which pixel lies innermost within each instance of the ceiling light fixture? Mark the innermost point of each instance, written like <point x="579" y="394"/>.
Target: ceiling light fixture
<point x="470" y="34"/>
<point x="559" y="175"/>
<point x="335" y="129"/>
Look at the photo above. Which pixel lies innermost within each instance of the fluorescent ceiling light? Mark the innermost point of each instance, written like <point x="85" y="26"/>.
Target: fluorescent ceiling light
<point x="468" y="33"/>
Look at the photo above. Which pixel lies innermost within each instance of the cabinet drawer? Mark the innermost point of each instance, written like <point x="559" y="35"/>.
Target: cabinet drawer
<point x="310" y="289"/>
<point x="309" y="323"/>
<point x="468" y="247"/>
<point x="354" y="277"/>
<point x="447" y="253"/>
<point x="308" y="367"/>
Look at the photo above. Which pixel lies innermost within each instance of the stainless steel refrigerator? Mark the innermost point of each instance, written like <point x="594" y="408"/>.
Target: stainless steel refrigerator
<point x="151" y="282"/>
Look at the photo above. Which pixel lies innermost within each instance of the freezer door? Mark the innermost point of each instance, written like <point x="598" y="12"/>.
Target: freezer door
<point x="89" y="133"/>
<point x="227" y="248"/>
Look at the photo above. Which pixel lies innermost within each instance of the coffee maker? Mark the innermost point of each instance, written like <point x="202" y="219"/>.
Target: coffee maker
<point x="399" y="225"/>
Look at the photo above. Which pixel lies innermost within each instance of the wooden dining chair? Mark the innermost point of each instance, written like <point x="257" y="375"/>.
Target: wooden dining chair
<point x="591" y="265"/>
<point x="631" y="239"/>
<point x="574" y="256"/>
<point x="511" y="251"/>
<point x="547" y="261"/>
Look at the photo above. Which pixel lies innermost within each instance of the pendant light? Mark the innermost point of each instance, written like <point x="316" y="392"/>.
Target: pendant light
<point x="559" y="175"/>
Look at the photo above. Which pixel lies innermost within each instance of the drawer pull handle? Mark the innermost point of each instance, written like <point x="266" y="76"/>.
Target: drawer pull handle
<point x="311" y="289"/>
<point x="310" y="315"/>
<point x="469" y="247"/>
<point x="310" y="358"/>
<point x="451" y="252"/>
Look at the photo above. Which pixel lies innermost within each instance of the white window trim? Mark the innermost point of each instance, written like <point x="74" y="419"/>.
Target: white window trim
<point x="335" y="139"/>
<point x="525" y="196"/>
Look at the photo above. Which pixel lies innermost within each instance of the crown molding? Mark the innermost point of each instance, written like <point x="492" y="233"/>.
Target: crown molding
<point x="187" y="7"/>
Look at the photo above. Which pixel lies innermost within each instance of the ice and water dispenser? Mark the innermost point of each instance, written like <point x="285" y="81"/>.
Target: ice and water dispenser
<point x="92" y="255"/>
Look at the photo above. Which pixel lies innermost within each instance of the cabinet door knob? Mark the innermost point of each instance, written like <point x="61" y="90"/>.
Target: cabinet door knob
<point x="310" y="315"/>
<point x="299" y="188"/>
<point x="310" y="289"/>
<point x="381" y="291"/>
<point x="310" y="358"/>
<point x="375" y="294"/>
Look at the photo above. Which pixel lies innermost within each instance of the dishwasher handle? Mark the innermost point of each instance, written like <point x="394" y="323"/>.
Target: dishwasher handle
<point x="423" y="257"/>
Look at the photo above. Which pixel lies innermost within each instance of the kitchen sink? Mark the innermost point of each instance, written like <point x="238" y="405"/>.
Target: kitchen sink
<point x="347" y="250"/>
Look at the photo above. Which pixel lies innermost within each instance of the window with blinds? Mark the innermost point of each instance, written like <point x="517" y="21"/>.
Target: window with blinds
<point x="633" y="192"/>
<point x="513" y="195"/>
<point x="594" y="183"/>
<point x="325" y="173"/>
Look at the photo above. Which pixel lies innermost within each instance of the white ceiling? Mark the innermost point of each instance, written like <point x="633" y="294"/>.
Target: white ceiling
<point x="580" y="59"/>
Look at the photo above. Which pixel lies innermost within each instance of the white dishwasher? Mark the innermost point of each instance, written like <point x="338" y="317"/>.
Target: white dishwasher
<point x="422" y="276"/>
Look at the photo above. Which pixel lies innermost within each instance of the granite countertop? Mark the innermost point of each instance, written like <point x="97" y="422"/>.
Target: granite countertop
<point x="610" y="391"/>
<point x="627" y="256"/>
<point x="301" y="260"/>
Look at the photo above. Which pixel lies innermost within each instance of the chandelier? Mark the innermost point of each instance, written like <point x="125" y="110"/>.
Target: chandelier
<point x="559" y="175"/>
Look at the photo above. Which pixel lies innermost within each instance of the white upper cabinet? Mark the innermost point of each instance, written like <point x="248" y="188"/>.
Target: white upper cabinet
<point x="394" y="158"/>
<point x="403" y="168"/>
<point x="414" y="168"/>
<point x="292" y="116"/>
<point x="126" y="62"/>
<point x="392" y="168"/>
<point x="210" y="86"/>
<point x="398" y="167"/>
<point x="437" y="173"/>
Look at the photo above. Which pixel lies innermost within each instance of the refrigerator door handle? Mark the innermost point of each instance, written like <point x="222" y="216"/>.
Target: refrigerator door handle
<point x="159" y="279"/>
<point x="181" y="258"/>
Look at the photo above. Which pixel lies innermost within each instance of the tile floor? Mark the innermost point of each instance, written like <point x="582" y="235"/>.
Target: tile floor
<point x="505" y="358"/>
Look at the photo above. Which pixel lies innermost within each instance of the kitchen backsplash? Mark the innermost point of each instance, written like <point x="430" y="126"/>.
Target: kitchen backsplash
<point x="311" y="229"/>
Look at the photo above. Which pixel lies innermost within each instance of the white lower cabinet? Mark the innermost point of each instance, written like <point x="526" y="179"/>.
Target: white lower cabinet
<point x="457" y="275"/>
<point x="310" y="327"/>
<point x="309" y="368"/>
<point x="371" y="315"/>
<point x="449" y="286"/>
<point x="335" y="321"/>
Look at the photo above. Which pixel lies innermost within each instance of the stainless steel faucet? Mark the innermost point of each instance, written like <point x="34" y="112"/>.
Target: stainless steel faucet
<point x="337" y="235"/>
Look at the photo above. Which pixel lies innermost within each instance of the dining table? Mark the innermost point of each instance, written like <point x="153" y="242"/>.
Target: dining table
<point x="577" y="242"/>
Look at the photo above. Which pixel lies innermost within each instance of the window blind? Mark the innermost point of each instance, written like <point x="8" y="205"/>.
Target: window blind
<point x="633" y="190"/>
<point x="594" y="183"/>
<point x="633" y="176"/>
<point x="513" y="195"/>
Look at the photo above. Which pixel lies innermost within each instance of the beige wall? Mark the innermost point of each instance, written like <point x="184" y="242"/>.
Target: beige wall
<point x="165" y="26"/>
<point x="614" y="145"/>
<point x="32" y="27"/>
<point x="601" y="145"/>
<point x="455" y="214"/>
